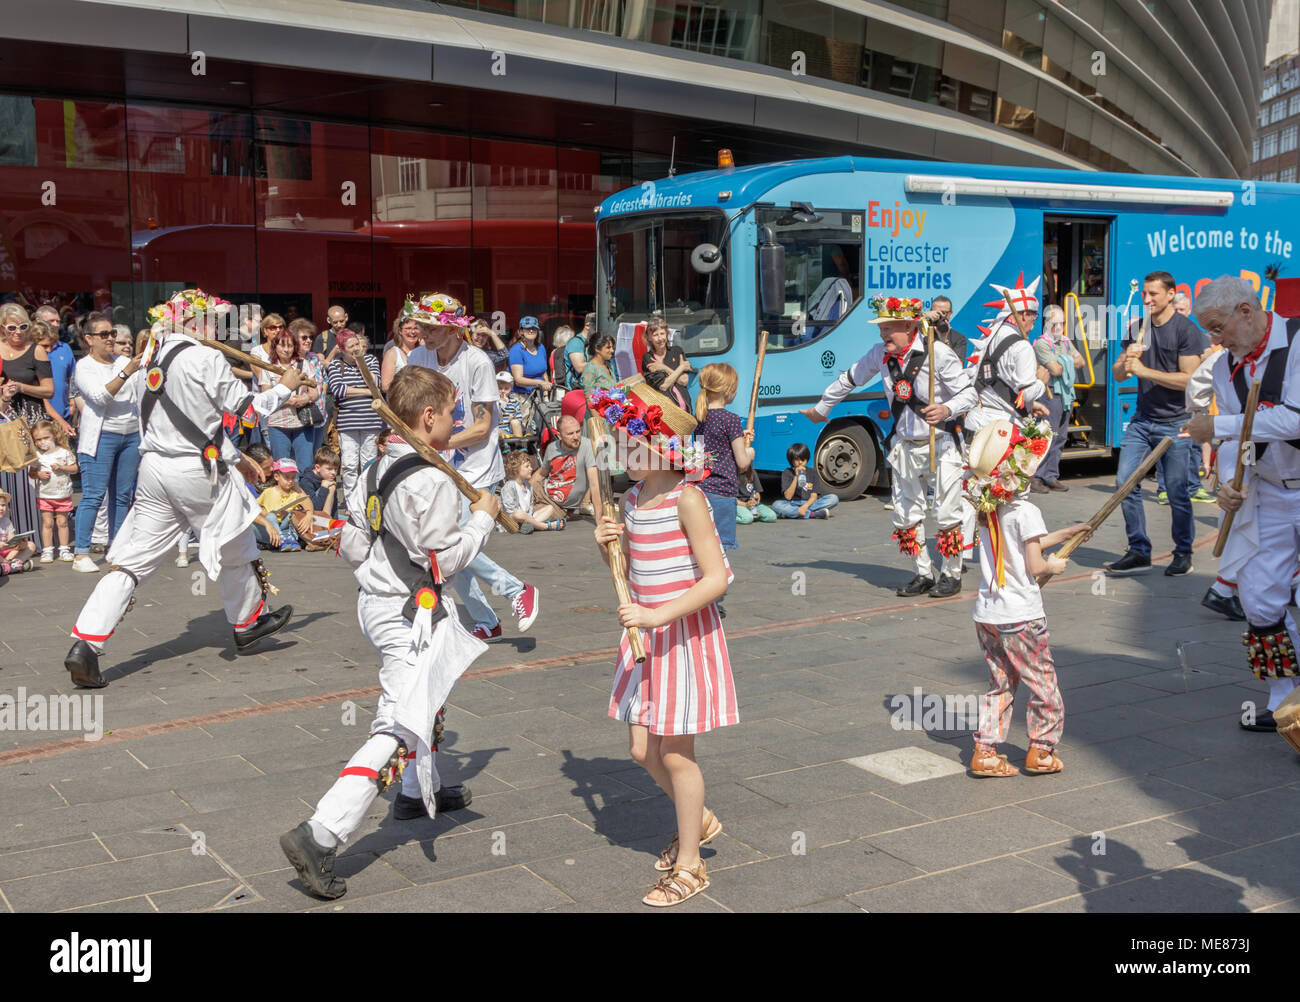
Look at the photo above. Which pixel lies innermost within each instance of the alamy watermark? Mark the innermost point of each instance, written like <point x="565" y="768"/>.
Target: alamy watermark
<point x="76" y="712"/>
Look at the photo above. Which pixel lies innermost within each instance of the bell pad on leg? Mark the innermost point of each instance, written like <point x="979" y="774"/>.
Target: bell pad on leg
<point x="1269" y="651"/>
<point x="391" y="771"/>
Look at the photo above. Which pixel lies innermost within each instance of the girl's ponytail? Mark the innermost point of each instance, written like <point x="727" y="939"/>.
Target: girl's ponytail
<point x="718" y="379"/>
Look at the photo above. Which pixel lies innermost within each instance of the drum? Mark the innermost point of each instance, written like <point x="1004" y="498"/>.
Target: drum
<point x="1287" y="716"/>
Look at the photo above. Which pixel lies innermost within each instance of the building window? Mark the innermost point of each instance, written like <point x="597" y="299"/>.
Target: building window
<point x="1291" y="79"/>
<point x="1293" y="106"/>
<point x="1268" y="146"/>
<point x="1287" y="175"/>
<point x="1269" y="176"/>
<point x="1278" y="112"/>
<point x="1288" y="140"/>
<point x="1270" y="88"/>
<point x="409" y="170"/>
<point x="1255" y="151"/>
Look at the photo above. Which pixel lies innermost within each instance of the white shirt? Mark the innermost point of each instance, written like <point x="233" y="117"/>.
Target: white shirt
<point x="1276" y="424"/>
<point x="423" y="513"/>
<point x="476" y="383"/>
<point x="516" y="497"/>
<point x="59" y="486"/>
<point x="1019" y="600"/>
<point x="118" y="414"/>
<point x="952" y="384"/>
<point x="202" y="385"/>
<point x="1018" y="368"/>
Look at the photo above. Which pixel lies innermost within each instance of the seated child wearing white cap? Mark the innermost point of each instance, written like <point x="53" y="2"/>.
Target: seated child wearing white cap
<point x="509" y="406"/>
<point x="277" y="503"/>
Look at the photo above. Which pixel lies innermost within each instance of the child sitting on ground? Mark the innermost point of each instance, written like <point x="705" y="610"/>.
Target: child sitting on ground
<point x="320" y="483"/>
<point x="53" y="475"/>
<point x="509" y="405"/>
<point x="797" y="499"/>
<point x="278" y="505"/>
<point x="1009" y="619"/>
<point x="749" y="500"/>
<point x="15" y="555"/>
<point x="517" y="496"/>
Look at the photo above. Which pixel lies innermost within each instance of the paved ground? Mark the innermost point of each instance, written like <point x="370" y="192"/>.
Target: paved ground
<point x="1165" y="804"/>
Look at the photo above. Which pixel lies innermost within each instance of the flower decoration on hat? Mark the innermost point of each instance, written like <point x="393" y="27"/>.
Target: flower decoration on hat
<point x="896" y="308"/>
<point x="185" y="305"/>
<point x="1003" y="459"/>
<point x="437" y="309"/>
<point x="623" y="407"/>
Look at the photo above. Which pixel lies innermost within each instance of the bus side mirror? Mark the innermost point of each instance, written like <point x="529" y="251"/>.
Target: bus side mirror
<point x="771" y="273"/>
<point x="706" y="258"/>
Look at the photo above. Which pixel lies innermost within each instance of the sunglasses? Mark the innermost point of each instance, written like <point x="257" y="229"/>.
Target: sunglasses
<point x="273" y="327"/>
<point x="107" y="334"/>
<point x="16" y="328"/>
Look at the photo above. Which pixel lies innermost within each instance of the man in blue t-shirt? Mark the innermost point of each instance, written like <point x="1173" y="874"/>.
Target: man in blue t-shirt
<point x="575" y="354"/>
<point x="1168" y="354"/>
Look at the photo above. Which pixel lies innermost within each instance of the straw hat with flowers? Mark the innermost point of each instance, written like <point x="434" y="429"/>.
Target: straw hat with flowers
<point x="437" y="309"/>
<point x="1003" y="459"/>
<point x="650" y="417"/>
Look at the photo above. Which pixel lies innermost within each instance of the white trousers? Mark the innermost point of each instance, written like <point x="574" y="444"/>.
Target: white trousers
<point x="344" y="806"/>
<point x="173" y="497"/>
<point x="1264" y="582"/>
<point x="910" y="464"/>
<point x="356" y="449"/>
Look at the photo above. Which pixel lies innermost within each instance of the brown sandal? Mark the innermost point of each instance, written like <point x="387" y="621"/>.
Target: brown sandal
<point x="710" y="830"/>
<point x="674" y="888"/>
<point x="1042" y="762"/>
<point x="987" y="763"/>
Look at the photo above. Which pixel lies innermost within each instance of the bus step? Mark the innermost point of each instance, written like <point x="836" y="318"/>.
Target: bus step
<point x="1085" y="453"/>
<point x="1078" y="429"/>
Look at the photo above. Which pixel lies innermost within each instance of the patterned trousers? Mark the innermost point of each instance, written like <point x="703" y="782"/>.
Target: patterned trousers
<point x="1017" y="652"/>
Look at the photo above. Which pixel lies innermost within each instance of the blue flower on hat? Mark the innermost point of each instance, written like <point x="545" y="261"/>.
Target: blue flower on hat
<point x="613" y="413"/>
<point x="636" y="427"/>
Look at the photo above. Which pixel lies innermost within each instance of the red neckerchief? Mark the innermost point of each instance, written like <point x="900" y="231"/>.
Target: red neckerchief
<point x="902" y="354"/>
<point x="1253" y="357"/>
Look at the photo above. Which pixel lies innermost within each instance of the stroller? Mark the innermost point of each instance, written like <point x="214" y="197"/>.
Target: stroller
<point x="540" y="418"/>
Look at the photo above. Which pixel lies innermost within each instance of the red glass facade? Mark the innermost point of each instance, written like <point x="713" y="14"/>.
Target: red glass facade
<point x="111" y="205"/>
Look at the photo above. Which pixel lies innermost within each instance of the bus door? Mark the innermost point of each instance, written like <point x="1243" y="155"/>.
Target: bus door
<point x="1076" y="266"/>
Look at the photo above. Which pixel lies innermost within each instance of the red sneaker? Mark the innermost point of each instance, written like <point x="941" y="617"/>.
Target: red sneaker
<point x="526" y="607"/>
<point x="483" y="633"/>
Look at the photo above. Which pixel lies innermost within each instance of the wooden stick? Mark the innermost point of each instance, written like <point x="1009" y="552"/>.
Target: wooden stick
<point x="1015" y="317"/>
<point x="427" y="453"/>
<point x="1116" y="499"/>
<point x="758" y="376"/>
<point x="250" y="360"/>
<point x="599" y="438"/>
<point x="1247" y="428"/>
<point x="929" y="337"/>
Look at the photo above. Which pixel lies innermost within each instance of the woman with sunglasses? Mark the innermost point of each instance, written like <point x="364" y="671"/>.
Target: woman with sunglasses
<point x="313" y="367"/>
<point x="290" y="437"/>
<point x="25" y="363"/>
<point x="527" y="359"/>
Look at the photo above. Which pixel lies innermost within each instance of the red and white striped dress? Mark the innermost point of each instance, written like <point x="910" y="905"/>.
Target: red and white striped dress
<point x="685" y="685"/>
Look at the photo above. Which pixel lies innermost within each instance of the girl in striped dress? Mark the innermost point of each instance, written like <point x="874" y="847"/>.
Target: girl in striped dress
<point x="676" y="573"/>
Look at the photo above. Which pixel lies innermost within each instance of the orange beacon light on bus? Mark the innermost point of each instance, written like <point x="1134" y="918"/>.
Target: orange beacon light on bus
<point x="725" y="159"/>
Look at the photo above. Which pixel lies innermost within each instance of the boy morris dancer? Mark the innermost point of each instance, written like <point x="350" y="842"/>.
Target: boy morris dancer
<point x="1262" y="546"/>
<point x="902" y="362"/>
<point x="411" y="546"/>
<point x="186" y="482"/>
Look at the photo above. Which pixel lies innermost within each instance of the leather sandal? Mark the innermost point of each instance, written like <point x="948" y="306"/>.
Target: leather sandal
<point x="986" y="763"/>
<point x="1042" y="762"/>
<point x="680" y="885"/>
<point x="709" y="830"/>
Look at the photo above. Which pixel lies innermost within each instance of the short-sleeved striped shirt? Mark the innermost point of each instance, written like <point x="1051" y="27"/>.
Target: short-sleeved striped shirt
<point x="354" y="413"/>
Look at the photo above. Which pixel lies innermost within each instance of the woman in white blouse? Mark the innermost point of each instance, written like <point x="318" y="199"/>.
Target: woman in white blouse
<point x="108" y="443"/>
<point x="406" y="335"/>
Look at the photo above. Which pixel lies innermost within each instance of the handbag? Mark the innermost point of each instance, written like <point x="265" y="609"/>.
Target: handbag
<point x="17" y="450"/>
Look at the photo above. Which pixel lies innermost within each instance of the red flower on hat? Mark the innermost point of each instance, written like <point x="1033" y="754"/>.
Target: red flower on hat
<point x="1038" y="446"/>
<point x="893" y="303"/>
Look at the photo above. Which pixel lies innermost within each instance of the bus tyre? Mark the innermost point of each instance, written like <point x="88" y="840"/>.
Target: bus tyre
<point x="845" y="461"/>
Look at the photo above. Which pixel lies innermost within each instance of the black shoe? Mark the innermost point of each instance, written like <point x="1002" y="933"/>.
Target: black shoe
<point x="1230" y="606"/>
<point x="1055" y="485"/>
<point x="83" y="662"/>
<point x="453" y="798"/>
<point x="919" y="585"/>
<point x="408" y="808"/>
<point x="1181" y="564"/>
<point x="1037" y="486"/>
<point x="314" y="863"/>
<point x="1130" y="563"/>
<point x="1263" y="722"/>
<point x="270" y="623"/>
<point x="948" y="585"/>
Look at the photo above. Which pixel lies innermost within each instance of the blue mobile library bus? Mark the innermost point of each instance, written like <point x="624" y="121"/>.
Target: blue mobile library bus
<point x="798" y="248"/>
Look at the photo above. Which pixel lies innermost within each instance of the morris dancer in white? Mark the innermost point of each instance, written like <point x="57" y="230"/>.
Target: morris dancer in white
<point x="1263" y="544"/>
<point x="1006" y="369"/>
<point x="902" y="363"/>
<point x="186" y="482"/>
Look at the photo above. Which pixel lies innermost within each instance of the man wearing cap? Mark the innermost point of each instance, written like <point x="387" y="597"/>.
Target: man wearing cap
<point x="1262" y="545"/>
<point x="473" y="445"/>
<point x="187" y="481"/>
<point x="901" y="361"/>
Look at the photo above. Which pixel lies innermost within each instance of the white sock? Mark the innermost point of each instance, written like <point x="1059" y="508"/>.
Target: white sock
<point x="1278" y="690"/>
<point x="410" y="780"/>
<point x="322" y="836"/>
<point x="1223" y="590"/>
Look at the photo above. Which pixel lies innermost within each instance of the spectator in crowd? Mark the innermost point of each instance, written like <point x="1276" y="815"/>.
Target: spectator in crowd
<point x="25" y="364"/>
<point x="598" y="373"/>
<point x="19" y="486"/>
<point x="290" y="430"/>
<point x="797" y="500"/>
<point x="53" y="475"/>
<point x="320" y="483"/>
<point x="406" y="337"/>
<point x="575" y="353"/>
<point x="1199" y="465"/>
<point x="666" y="368"/>
<point x="108" y="446"/>
<point x="567" y="477"/>
<point x="510" y="406"/>
<point x="749" y="500"/>
<point x="268" y="327"/>
<point x="123" y="341"/>
<point x="357" y="423"/>
<point x="555" y="365"/>
<point x="517" y="496"/>
<point x="1058" y="361"/>
<point x="278" y="505"/>
<point x="62" y="362"/>
<point x="313" y="367"/>
<point x="15" y="557"/>
<point x="327" y="344"/>
<point x="486" y="340"/>
<point x="527" y="359"/>
<point x="1183" y="305"/>
<point x="1163" y="363"/>
<point x="940" y="317"/>
<point x="726" y="440"/>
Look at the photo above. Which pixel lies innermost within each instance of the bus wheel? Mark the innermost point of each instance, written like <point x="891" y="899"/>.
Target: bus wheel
<point x="846" y="461"/>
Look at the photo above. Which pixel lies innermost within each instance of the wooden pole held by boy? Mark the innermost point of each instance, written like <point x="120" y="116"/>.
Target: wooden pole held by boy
<point x="1247" y="429"/>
